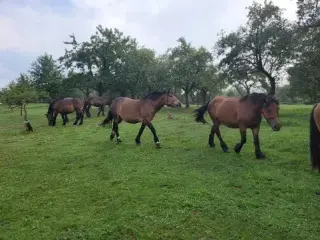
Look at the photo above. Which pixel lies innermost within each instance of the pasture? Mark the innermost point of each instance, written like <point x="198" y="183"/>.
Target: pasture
<point x="71" y="182"/>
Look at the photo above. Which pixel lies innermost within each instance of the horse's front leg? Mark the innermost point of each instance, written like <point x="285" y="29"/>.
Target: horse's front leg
<point x="64" y="118"/>
<point x="54" y="118"/>
<point x="87" y="110"/>
<point x="243" y="133"/>
<point x="217" y="131"/>
<point x="81" y="114"/>
<point x="255" y="133"/>
<point x="138" y="142"/>
<point x="153" y="130"/>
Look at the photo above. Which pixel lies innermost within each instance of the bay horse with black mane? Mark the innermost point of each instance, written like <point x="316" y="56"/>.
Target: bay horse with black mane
<point x="315" y="137"/>
<point x="242" y="113"/>
<point x="141" y="110"/>
<point x="97" y="101"/>
<point x="65" y="106"/>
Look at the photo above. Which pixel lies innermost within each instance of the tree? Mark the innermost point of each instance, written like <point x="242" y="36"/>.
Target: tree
<point x="304" y="75"/>
<point x="210" y="83"/>
<point x="187" y="66"/>
<point x="262" y="45"/>
<point x="46" y="76"/>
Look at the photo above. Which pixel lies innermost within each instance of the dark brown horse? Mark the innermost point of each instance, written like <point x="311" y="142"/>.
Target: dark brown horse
<point x="242" y="113"/>
<point x="97" y="101"/>
<point x="65" y="106"/>
<point x="315" y="137"/>
<point x="141" y="110"/>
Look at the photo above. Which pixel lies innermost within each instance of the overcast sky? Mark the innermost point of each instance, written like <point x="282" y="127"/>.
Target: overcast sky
<point x="29" y="28"/>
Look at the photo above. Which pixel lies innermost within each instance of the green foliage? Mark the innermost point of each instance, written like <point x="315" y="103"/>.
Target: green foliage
<point x="46" y="76"/>
<point x="262" y="45"/>
<point x="188" y="65"/>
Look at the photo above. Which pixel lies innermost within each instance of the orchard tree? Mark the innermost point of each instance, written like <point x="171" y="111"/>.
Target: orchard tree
<point x="187" y="66"/>
<point x="46" y="76"/>
<point x="262" y="45"/>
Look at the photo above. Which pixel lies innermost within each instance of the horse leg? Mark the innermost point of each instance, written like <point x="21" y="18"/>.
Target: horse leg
<point x="116" y="129"/>
<point x="77" y="118"/>
<point x="102" y="110"/>
<point x="81" y="114"/>
<point x="99" y="111"/>
<point x="113" y="133"/>
<point x="138" y="142"/>
<point x="238" y="146"/>
<point x="88" y="110"/>
<point x="155" y="137"/>
<point x="64" y="116"/>
<point x="222" y="143"/>
<point x="211" y="137"/>
<point x="54" y="118"/>
<point x="255" y="133"/>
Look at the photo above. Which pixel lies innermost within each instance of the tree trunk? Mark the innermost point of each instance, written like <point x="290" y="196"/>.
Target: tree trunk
<point x="186" y="94"/>
<point x="204" y="96"/>
<point x="272" y="81"/>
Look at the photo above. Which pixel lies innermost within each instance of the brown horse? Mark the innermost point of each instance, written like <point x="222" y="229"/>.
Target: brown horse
<point x="65" y="106"/>
<point x="242" y="113"/>
<point x="97" y="101"/>
<point x="141" y="110"/>
<point x="315" y="137"/>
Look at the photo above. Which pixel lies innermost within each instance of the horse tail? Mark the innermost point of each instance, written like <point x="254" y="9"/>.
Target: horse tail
<point x="108" y="119"/>
<point x="314" y="141"/>
<point x="199" y="113"/>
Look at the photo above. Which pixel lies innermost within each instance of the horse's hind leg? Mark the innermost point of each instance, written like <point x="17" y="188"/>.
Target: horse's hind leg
<point x="81" y="114"/>
<point x="99" y="111"/>
<point x="222" y="143"/>
<point x="115" y="128"/>
<point x="138" y="142"/>
<point x="77" y="118"/>
<point x="243" y="133"/>
<point x="211" y="137"/>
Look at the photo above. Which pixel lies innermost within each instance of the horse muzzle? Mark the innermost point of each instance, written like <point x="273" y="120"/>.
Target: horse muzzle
<point x="275" y="125"/>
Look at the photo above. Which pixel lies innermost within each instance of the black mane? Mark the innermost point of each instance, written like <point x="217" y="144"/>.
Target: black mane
<point x="154" y="95"/>
<point x="254" y="98"/>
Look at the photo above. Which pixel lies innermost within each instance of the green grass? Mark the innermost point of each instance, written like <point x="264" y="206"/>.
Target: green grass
<point x="68" y="182"/>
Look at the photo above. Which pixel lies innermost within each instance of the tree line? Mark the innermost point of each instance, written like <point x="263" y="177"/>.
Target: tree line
<point x="258" y="55"/>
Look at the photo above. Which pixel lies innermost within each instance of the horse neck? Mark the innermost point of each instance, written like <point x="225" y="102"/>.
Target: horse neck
<point x="157" y="104"/>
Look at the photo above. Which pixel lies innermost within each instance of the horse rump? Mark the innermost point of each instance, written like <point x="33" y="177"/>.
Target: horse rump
<point x="107" y="120"/>
<point x="314" y="141"/>
<point x="199" y="113"/>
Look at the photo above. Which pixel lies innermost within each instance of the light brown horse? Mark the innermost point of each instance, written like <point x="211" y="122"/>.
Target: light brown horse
<point x="141" y="110"/>
<point x="315" y="137"/>
<point x="97" y="101"/>
<point x="242" y="113"/>
<point x="65" y="106"/>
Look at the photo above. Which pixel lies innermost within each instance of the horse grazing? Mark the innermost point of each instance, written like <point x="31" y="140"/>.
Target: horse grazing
<point x="141" y="110"/>
<point x="242" y="113"/>
<point x="315" y="137"/>
<point x="65" y="106"/>
<point x="97" y="101"/>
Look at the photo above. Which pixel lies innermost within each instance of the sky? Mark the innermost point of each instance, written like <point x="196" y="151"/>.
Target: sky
<point x="29" y="28"/>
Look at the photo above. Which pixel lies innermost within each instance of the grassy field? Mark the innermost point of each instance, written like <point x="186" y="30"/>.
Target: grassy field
<point x="68" y="182"/>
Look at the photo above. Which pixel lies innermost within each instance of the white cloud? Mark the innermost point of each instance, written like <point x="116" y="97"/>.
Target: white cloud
<point x="39" y="29"/>
<point x="36" y="27"/>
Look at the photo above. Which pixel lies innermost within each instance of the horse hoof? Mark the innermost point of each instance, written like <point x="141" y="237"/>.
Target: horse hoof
<point x="138" y="143"/>
<point x="212" y="145"/>
<point x="111" y="137"/>
<point x="119" y="140"/>
<point x="237" y="148"/>
<point x="260" y="156"/>
<point x="158" y="145"/>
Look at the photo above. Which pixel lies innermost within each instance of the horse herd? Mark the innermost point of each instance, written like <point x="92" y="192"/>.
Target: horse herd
<point x="234" y="112"/>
